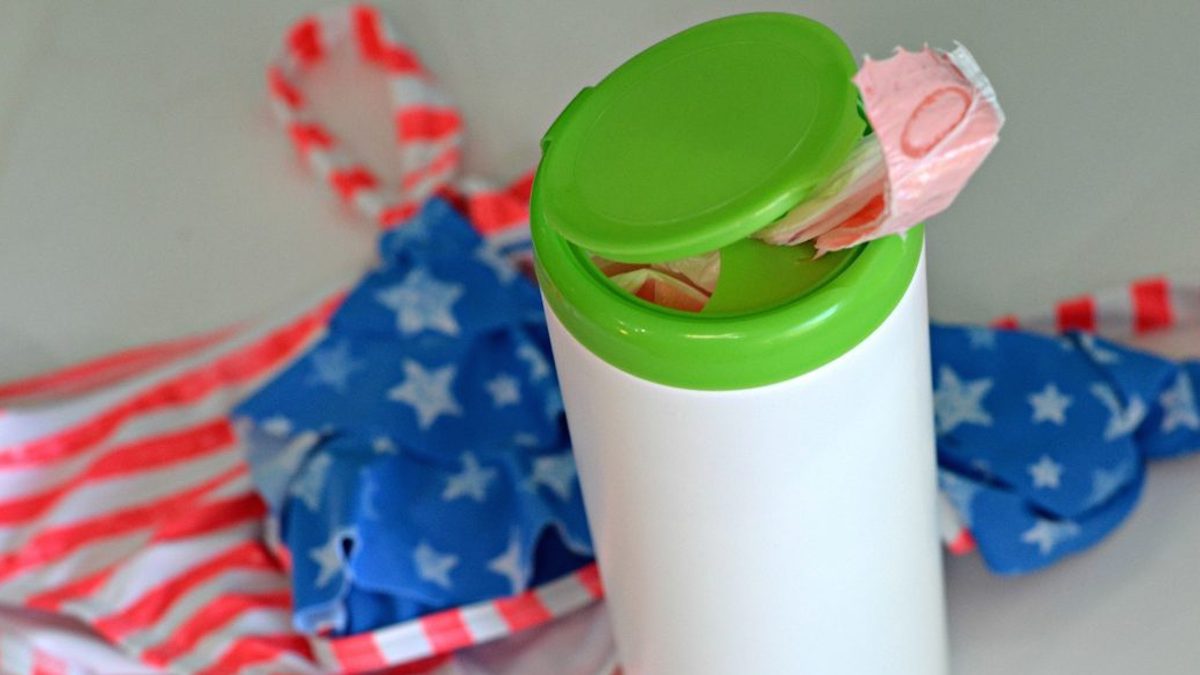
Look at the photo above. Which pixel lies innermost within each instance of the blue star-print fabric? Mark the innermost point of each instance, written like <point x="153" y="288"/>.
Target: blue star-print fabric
<point x="1043" y="441"/>
<point x="417" y="457"/>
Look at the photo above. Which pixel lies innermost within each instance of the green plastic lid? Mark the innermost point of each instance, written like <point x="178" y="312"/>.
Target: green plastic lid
<point x="701" y="139"/>
<point x="690" y="147"/>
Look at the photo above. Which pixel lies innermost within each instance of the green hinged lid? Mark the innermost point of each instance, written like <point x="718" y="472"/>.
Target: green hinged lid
<point x="690" y="147"/>
<point x="701" y="139"/>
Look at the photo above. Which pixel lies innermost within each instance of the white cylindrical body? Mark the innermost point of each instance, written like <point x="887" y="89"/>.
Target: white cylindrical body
<point x="789" y="528"/>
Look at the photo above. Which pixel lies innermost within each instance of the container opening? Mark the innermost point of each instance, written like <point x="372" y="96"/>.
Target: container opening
<point x="744" y="277"/>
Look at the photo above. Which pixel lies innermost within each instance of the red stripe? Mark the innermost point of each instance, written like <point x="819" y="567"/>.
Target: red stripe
<point x="446" y="631"/>
<point x="347" y="182"/>
<point x="589" y="577"/>
<point x="213" y="516"/>
<point x="493" y="212"/>
<point x="963" y="544"/>
<point x="47" y="664"/>
<point x="154" y="604"/>
<point x="196" y="522"/>
<point x="396" y="214"/>
<point x="231" y="369"/>
<point x="1151" y="305"/>
<point x="147" y="455"/>
<point x="1077" y="314"/>
<point x="304" y="41"/>
<point x="259" y="649"/>
<point x="394" y="58"/>
<point x="427" y="123"/>
<point x="523" y="611"/>
<point x="442" y="164"/>
<point x="1007" y="322"/>
<point x="52" y="599"/>
<point x="308" y="136"/>
<point x="55" y="543"/>
<point x="522" y="188"/>
<point x="357" y="653"/>
<point x="282" y="89"/>
<point x="106" y="369"/>
<point x="209" y="619"/>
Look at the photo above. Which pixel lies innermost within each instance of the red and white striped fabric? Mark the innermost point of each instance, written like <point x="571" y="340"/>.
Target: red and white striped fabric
<point x="1140" y="313"/>
<point x="125" y="500"/>
<point x="130" y="508"/>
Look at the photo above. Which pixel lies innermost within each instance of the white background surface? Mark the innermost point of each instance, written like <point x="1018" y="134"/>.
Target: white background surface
<point x="145" y="193"/>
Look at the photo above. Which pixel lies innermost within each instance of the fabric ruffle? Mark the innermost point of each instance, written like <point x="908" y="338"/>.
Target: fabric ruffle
<point x="417" y="457"/>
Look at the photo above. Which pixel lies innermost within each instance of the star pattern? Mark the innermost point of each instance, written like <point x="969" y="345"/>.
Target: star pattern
<point x="1099" y="354"/>
<point x="310" y="485"/>
<point x="539" y="368"/>
<point x="1046" y="473"/>
<point x="981" y="337"/>
<point x="382" y="445"/>
<point x="472" y="481"/>
<point x="369" y="491"/>
<point x="421" y="302"/>
<point x="1050" y="405"/>
<point x="1047" y="534"/>
<point x="508" y="564"/>
<point x="494" y="259"/>
<point x="958" y="402"/>
<point x="1122" y="421"/>
<point x="1179" y="406"/>
<point x="330" y="557"/>
<point x="556" y="472"/>
<point x="434" y="566"/>
<point x="277" y="425"/>
<point x="427" y="392"/>
<point x="961" y="494"/>
<point x="1106" y="483"/>
<point x="504" y="389"/>
<point x="333" y="366"/>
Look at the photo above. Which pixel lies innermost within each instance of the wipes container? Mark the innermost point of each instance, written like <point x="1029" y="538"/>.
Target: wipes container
<point x="759" y="476"/>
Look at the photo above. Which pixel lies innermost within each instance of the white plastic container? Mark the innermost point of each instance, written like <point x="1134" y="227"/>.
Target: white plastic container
<point x="788" y="528"/>
<point x="759" y="476"/>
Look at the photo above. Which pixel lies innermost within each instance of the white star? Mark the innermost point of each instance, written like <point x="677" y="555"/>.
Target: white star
<point x="427" y="392"/>
<point x="382" y="445"/>
<point x="525" y="440"/>
<point x="508" y="564"/>
<point x="422" y="302"/>
<point x="1046" y="534"/>
<point x="1105" y="484"/>
<point x="332" y="366"/>
<point x="472" y="482"/>
<point x="1046" y="473"/>
<point x="556" y="472"/>
<point x="958" y="402"/>
<point x="981" y="338"/>
<point x="1121" y="421"/>
<point x="1099" y="354"/>
<point x="505" y="390"/>
<point x="1050" y="405"/>
<point x="367" y="494"/>
<point x="277" y="425"/>
<point x="490" y="255"/>
<point x="330" y="556"/>
<point x="961" y="494"/>
<point x="532" y="356"/>
<point x="309" y="486"/>
<point x="554" y="403"/>
<point x="1179" y="406"/>
<point x="433" y="566"/>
